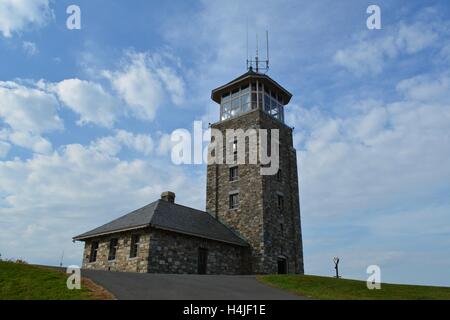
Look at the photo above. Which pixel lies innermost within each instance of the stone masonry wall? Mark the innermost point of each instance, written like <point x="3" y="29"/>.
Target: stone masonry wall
<point x="166" y="252"/>
<point x="258" y="219"/>
<point x="123" y="262"/>
<point x="247" y="220"/>
<point x="282" y="237"/>
<point x="178" y="253"/>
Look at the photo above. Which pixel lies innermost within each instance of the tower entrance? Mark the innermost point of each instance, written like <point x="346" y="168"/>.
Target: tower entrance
<point x="282" y="265"/>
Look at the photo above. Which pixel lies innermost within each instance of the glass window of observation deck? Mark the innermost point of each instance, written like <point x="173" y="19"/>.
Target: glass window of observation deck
<point x="247" y="98"/>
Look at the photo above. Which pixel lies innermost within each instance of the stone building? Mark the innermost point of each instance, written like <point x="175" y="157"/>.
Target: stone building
<point x="165" y="237"/>
<point x="252" y="221"/>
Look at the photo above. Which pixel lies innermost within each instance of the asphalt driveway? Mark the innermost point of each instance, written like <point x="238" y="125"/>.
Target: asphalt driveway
<point x="145" y="286"/>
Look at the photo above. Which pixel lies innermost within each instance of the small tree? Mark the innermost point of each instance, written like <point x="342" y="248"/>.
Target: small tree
<point x="336" y="266"/>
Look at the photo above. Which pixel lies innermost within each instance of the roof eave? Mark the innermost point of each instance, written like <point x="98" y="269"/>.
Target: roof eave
<point x="215" y="94"/>
<point x="81" y="237"/>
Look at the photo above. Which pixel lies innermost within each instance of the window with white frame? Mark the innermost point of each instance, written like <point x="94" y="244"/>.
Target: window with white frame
<point x="249" y="97"/>
<point x="235" y="102"/>
<point x="273" y="104"/>
<point x="234" y="200"/>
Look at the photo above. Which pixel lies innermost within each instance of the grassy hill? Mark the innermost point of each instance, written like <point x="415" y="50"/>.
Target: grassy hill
<point x="26" y="282"/>
<point x="341" y="289"/>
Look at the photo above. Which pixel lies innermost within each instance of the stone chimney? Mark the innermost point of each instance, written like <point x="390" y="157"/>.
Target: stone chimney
<point x="168" y="196"/>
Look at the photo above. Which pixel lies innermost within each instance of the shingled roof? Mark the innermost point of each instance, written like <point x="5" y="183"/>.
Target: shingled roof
<point x="169" y="216"/>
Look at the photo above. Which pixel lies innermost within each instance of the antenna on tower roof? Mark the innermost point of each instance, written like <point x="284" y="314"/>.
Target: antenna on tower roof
<point x="257" y="57"/>
<point x="248" y="61"/>
<point x="257" y="61"/>
<point x="267" y="51"/>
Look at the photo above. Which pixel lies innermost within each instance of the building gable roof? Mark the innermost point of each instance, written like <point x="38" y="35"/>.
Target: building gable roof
<point x="172" y="217"/>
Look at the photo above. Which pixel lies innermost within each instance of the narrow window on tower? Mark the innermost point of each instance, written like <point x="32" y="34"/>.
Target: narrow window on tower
<point x="234" y="201"/>
<point x="279" y="176"/>
<point x="282" y="229"/>
<point x="134" y="245"/>
<point x="213" y="151"/>
<point x="235" y="149"/>
<point x="112" y="249"/>
<point x="234" y="173"/>
<point x="94" y="249"/>
<point x="280" y="203"/>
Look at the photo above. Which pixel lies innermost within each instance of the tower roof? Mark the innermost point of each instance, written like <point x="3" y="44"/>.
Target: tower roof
<point x="249" y="75"/>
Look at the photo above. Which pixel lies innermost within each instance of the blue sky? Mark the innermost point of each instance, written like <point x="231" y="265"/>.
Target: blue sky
<point x="86" y="117"/>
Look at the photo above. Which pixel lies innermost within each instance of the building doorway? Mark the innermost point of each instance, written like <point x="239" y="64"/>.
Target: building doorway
<point x="202" y="260"/>
<point x="282" y="265"/>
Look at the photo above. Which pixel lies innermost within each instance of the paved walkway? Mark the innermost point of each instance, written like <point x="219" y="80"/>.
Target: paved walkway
<point x="146" y="286"/>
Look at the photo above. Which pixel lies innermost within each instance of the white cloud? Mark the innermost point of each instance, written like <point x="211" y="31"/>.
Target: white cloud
<point x="138" y="142"/>
<point x="28" y="109"/>
<point x="112" y="145"/>
<point x="30" y="48"/>
<point x="17" y="15"/>
<point x="141" y="83"/>
<point x="89" y="100"/>
<point x="29" y="112"/>
<point x="381" y="156"/>
<point x="363" y="57"/>
<point x="426" y="88"/>
<point x="107" y="145"/>
<point x="370" y="54"/>
<point x="416" y="37"/>
<point x="139" y="86"/>
<point x="173" y="83"/>
<point x="165" y="145"/>
<point x="30" y="141"/>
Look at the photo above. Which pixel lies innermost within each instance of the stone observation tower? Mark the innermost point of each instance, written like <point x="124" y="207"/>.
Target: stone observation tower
<point x="262" y="209"/>
<point x="252" y="220"/>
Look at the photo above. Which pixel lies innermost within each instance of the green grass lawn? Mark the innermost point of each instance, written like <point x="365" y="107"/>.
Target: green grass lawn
<point x="341" y="289"/>
<point x="26" y="282"/>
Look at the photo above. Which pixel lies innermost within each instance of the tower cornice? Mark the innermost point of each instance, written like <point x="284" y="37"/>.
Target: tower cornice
<point x="249" y="75"/>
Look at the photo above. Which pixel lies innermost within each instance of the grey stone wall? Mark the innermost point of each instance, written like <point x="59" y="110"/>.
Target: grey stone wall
<point x="178" y="253"/>
<point x="258" y="219"/>
<point x="166" y="252"/>
<point x="247" y="220"/>
<point x="123" y="262"/>
<point x="282" y="227"/>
